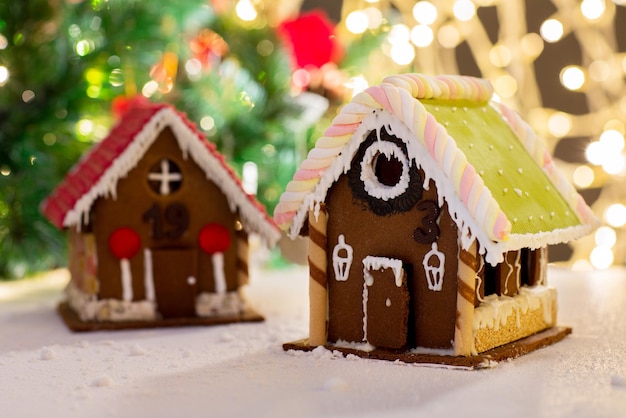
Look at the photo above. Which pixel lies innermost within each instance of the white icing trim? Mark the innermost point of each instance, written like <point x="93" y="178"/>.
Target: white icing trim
<point x="380" y="263"/>
<point x="127" y="280"/>
<point x="218" y="272"/>
<point x="371" y="183"/>
<point x="189" y="144"/>
<point x="495" y="310"/>
<point x="148" y="278"/>
<point x="434" y="274"/>
<point x="341" y="265"/>
<point x="377" y="263"/>
<point x="88" y="308"/>
<point x="219" y="304"/>
<point x="469" y="226"/>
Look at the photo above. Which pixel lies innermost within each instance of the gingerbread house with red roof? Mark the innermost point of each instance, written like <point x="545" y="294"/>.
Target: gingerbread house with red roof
<point x="429" y="208"/>
<point x="158" y="227"/>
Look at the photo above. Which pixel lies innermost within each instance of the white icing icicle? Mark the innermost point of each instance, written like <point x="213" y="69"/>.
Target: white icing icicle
<point x="127" y="280"/>
<point x="218" y="272"/>
<point x="148" y="274"/>
<point x="379" y="263"/>
<point x="189" y="144"/>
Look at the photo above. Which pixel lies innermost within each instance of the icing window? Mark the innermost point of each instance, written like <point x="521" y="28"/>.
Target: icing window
<point x="165" y="177"/>
<point x="385" y="170"/>
<point x="382" y="175"/>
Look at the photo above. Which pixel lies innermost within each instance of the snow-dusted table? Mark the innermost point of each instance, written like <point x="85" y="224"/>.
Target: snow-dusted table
<point x="241" y="370"/>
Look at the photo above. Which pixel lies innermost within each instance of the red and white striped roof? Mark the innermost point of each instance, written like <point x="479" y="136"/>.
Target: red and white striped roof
<point x="96" y="174"/>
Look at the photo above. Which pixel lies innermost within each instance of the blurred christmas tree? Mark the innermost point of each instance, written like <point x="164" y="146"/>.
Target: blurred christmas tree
<point x="62" y="65"/>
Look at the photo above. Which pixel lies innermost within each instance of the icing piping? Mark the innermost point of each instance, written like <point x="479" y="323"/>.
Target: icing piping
<point x="148" y="274"/>
<point x="374" y="187"/>
<point x="190" y="145"/>
<point x="489" y="225"/>
<point x="127" y="280"/>
<point x="341" y="265"/>
<point x="434" y="273"/>
<point x="217" y="259"/>
<point x="377" y="263"/>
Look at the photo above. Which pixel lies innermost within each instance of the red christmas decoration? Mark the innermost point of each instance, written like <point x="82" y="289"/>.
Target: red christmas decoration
<point x="121" y="104"/>
<point x="311" y="39"/>
<point x="124" y="242"/>
<point x="214" y="238"/>
<point x="208" y="47"/>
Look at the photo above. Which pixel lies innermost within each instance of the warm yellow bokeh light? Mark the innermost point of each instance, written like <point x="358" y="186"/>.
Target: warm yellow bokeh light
<point x="374" y="17"/>
<point x="357" y="22"/>
<point x="612" y="141"/>
<point x="4" y="75"/>
<point x="425" y="12"/>
<point x="464" y="10"/>
<point x="613" y="163"/>
<point x="605" y="236"/>
<point x="422" y="36"/>
<point x="448" y="36"/>
<point x="572" y="77"/>
<point x="402" y="54"/>
<point x="399" y="34"/>
<point x="551" y="30"/>
<point x="245" y="10"/>
<point x="594" y="153"/>
<point x="592" y="9"/>
<point x="615" y="215"/>
<point x="599" y="71"/>
<point x="601" y="258"/>
<point x="559" y="124"/>
<point x="532" y="45"/>
<point x="500" y="56"/>
<point x="583" y="176"/>
<point x="505" y="86"/>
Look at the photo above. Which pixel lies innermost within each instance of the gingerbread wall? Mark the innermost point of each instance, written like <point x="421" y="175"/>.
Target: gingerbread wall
<point x="431" y="313"/>
<point x="168" y="225"/>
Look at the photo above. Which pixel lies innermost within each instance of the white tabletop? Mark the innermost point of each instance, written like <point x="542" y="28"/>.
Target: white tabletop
<point x="240" y="370"/>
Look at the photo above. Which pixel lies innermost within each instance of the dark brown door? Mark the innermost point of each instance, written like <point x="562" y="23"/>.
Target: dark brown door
<point x="175" y="282"/>
<point x="386" y="303"/>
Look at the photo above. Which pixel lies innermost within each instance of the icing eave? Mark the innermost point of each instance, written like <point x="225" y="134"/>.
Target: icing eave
<point x="472" y="205"/>
<point x="191" y="143"/>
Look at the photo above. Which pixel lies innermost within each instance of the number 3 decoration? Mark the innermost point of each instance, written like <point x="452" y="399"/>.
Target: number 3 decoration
<point x="428" y="233"/>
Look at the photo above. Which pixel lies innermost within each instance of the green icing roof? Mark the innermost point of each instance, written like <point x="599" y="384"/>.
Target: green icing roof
<point x="517" y="183"/>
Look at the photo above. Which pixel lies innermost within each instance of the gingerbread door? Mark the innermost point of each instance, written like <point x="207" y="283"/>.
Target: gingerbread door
<point x="175" y="282"/>
<point x="385" y="302"/>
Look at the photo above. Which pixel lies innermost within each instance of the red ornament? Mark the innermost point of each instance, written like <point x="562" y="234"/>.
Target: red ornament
<point x="124" y="243"/>
<point x="311" y="38"/>
<point x="208" y="47"/>
<point x="214" y="238"/>
<point x="121" y="104"/>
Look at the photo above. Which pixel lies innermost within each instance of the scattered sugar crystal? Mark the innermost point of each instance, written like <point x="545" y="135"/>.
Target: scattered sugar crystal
<point x="102" y="381"/>
<point x="335" y="384"/>
<point x="619" y="381"/>
<point x="136" y="350"/>
<point x="47" y="353"/>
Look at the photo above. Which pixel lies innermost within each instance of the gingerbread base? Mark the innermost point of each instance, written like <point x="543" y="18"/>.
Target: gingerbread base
<point x="484" y="360"/>
<point x="74" y="323"/>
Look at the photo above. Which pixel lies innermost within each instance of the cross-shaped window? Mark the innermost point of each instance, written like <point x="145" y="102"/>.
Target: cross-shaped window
<point x="165" y="177"/>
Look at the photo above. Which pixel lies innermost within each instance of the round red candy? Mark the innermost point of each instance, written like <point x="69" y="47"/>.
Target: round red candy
<point x="124" y="242"/>
<point x="214" y="238"/>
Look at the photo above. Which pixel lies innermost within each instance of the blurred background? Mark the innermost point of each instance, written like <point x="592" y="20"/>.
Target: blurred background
<point x="262" y="79"/>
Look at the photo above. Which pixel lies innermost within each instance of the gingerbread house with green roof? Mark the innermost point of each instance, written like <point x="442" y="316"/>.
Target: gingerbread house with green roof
<point x="429" y="208"/>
